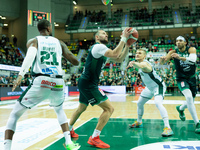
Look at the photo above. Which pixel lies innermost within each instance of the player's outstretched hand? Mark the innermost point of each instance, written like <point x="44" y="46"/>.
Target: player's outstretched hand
<point x="163" y="58"/>
<point x="130" y="64"/>
<point x="17" y="82"/>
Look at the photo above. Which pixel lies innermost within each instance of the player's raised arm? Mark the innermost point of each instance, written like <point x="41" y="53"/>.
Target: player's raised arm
<point x="68" y="54"/>
<point x="166" y="58"/>
<point x="117" y="51"/>
<point x="142" y="65"/>
<point x="122" y="55"/>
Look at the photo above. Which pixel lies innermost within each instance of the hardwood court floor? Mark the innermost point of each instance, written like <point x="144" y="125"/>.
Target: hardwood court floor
<point x="38" y="127"/>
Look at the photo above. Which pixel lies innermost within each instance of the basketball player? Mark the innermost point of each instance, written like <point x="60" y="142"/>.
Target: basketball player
<point x="154" y="87"/>
<point x="44" y="54"/>
<point x="184" y="60"/>
<point x="88" y="82"/>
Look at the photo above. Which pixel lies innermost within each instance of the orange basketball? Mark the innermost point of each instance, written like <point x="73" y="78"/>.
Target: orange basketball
<point x="133" y="37"/>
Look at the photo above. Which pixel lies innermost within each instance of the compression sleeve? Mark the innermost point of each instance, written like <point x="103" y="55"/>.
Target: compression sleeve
<point x="28" y="60"/>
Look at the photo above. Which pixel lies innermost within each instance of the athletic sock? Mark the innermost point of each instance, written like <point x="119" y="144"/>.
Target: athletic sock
<point x="7" y="144"/>
<point x="166" y="122"/>
<point x="96" y="133"/>
<point x="139" y="119"/>
<point x="70" y="127"/>
<point x="67" y="137"/>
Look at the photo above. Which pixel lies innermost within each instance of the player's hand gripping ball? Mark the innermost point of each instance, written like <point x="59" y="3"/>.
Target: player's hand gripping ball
<point x="133" y="37"/>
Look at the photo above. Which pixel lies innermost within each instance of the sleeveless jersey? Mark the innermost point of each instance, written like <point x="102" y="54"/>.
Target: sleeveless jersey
<point x="151" y="79"/>
<point x="93" y="67"/>
<point x="48" y="58"/>
<point x="184" y="70"/>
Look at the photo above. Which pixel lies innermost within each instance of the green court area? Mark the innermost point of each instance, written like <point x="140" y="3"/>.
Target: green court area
<point x="120" y="137"/>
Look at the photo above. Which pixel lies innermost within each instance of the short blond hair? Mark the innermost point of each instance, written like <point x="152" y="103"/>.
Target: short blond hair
<point x="97" y="34"/>
<point x="141" y="49"/>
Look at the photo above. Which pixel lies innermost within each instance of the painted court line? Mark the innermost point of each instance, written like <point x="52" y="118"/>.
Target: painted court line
<point x="62" y="137"/>
<point x="169" y="102"/>
<point x="31" y="131"/>
<point x="117" y="136"/>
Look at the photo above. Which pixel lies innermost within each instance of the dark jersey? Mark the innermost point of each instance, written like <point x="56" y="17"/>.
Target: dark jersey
<point x="184" y="70"/>
<point x="93" y="67"/>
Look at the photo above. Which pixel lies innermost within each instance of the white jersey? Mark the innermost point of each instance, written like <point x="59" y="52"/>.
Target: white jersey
<point x="48" y="58"/>
<point x="152" y="79"/>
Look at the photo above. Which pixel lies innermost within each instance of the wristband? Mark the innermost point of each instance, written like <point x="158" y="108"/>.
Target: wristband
<point x="123" y="39"/>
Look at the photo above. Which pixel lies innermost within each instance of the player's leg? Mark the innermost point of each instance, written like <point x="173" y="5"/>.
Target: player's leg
<point x="83" y="103"/>
<point x="62" y="119"/>
<point x="191" y="107"/>
<point x="85" y="95"/>
<point x="56" y="98"/>
<point x="163" y="112"/>
<point x="182" y="85"/>
<point x="145" y="96"/>
<point x="16" y="113"/>
<point x="28" y="99"/>
<point x="158" y="98"/>
<point x="105" y="116"/>
<point x="103" y="119"/>
<point x="76" y="114"/>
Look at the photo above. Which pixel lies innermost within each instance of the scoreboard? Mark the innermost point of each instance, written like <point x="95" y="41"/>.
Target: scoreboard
<point x="35" y="16"/>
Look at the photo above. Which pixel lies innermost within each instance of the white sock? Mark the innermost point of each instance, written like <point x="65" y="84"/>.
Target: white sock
<point x="7" y="144"/>
<point x="67" y="137"/>
<point x="96" y="133"/>
<point x="190" y="105"/>
<point x="70" y="127"/>
<point x="139" y="119"/>
<point x="166" y="122"/>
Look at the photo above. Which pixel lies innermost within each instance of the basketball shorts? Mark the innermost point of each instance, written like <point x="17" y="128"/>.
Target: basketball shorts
<point x="154" y="91"/>
<point x="90" y="93"/>
<point x="43" y="88"/>
<point x="187" y="84"/>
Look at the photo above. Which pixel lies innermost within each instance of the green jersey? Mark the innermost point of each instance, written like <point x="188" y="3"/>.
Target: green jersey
<point x="95" y="63"/>
<point x="184" y="70"/>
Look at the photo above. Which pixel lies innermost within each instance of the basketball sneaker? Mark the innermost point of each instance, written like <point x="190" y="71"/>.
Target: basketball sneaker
<point x="197" y="130"/>
<point x="72" y="146"/>
<point x="167" y="132"/>
<point x="136" y="125"/>
<point x="97" y="142"/>
<point x="73" y="134"/>
<point x="181" y="113"/>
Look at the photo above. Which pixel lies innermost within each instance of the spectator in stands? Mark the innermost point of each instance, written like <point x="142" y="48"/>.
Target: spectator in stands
<point x="4" y="80"/>
<point x="113" y="83"/>
<point x="1" y="80"/>
<point x="15" y="41"/>
<point x="10" y="81"/>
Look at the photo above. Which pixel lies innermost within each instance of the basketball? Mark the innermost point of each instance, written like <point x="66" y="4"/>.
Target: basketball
<point x="105" y="2"/>
<point x="133" y="37"/>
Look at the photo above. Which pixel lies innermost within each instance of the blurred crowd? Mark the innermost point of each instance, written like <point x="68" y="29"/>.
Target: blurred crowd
<point x="9" y="54"/>
<point x="111" y="74"/>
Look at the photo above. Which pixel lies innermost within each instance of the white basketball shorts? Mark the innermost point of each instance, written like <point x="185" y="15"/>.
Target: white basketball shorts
<point x="43" y="88"/>
<point x="153" y="91"/>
